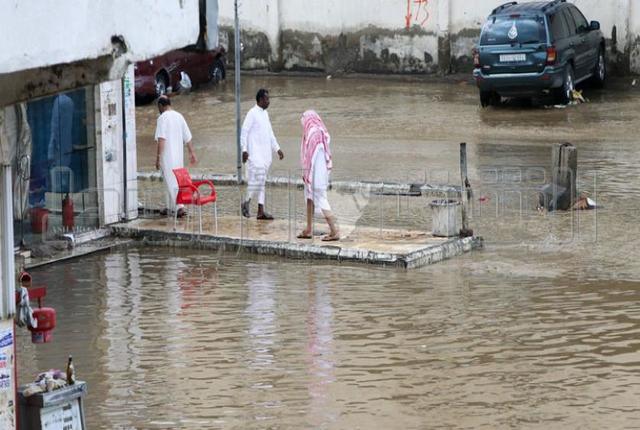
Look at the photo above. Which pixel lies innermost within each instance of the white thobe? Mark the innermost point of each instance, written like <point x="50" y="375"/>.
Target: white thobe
<point x="319" y="175"/>
<point x="258" y="140"/>
<point x="172" y="127"/>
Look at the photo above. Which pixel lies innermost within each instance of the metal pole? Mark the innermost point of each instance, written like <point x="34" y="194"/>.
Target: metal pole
<point x="237" y="79"/>
<point x="465" y="191"/>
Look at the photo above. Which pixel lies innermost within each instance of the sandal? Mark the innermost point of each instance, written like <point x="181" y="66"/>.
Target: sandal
<point x="304" y="235"/>
<point x="265" y="217"/>
<point x="331" y="238"/>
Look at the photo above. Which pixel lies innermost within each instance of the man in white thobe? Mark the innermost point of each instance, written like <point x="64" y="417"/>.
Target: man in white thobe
<point x="258" y="145"/>
<point x="172" y="133"/>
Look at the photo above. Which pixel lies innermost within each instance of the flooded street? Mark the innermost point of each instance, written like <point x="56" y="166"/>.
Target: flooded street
<point x="539" y="330"/>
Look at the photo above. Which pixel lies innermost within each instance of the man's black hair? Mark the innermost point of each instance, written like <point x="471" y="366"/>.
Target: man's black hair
<point x="164" y="101"/>
<point x="261" y="93"/>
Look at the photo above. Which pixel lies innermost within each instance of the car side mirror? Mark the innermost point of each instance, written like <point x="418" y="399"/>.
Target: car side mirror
<point x="595" y="25"/>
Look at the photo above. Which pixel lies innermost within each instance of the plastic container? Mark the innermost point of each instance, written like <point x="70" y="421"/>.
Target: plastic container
<point x="39" y="220"/>
<point x="446" y="216"/>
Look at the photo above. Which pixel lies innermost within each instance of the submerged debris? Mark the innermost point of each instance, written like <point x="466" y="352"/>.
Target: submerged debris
<point x="584" y="203"/>
<point x="576" y="99"/>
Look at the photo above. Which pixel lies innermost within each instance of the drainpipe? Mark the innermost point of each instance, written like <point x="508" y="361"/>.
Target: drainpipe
<point x="444" y="37"/>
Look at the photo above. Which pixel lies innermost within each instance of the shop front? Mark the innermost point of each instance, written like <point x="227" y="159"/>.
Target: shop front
<point x="54" y="167"/>
<point x="73" y="163"/>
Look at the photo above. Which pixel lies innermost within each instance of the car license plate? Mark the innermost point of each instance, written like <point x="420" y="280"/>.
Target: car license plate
<point x="512" y="58"/>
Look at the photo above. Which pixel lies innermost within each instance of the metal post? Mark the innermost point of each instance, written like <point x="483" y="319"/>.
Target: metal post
<point x="564" y="168"/>
<point x="381" y="212"/>
<point x="237" y="81"/>
<point x="465" y="191"/>
<point x="289" y="204"/>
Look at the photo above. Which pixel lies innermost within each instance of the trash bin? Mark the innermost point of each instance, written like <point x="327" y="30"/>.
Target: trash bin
<point x="446" y="214"/>
<point x="58" y="409"/>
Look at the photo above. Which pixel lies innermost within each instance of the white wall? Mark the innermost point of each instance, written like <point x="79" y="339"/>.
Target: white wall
<point x="260" y="16"/>
<point x="634" y="35"/>
<point x="131" y="166"/>
<point x="110" y="163"/>
<point x="116" y="149"/>
<point x="40" y="33"/>
<point x="436" y="18"/>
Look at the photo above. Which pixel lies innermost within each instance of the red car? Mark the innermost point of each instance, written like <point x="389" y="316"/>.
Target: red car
<point x="154" y="77"/>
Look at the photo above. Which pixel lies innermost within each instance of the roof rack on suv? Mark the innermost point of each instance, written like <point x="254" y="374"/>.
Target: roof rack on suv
<point x="504" y="6"/>
<point x="552" y="4"/>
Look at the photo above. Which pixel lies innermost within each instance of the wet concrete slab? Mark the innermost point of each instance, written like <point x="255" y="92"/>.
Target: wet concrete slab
<point x="52" y="253"/>
<point x="385" y="247"/>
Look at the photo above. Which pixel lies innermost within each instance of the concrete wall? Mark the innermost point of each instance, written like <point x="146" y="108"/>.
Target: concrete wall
<point x="49" y="46"/>
<point x="396" y="36"/>
<point x="633" y="37"/>
<point x="39" y="33"/>
<point x="116" y="163"/>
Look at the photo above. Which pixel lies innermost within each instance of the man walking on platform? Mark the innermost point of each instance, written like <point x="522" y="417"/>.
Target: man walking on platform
<point x="172" y="133"/>
<point x="258" y="145"/>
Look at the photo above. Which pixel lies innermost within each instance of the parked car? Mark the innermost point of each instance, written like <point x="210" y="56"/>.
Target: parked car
<point x="537" y="48"/>
<point x="154" y="77"/>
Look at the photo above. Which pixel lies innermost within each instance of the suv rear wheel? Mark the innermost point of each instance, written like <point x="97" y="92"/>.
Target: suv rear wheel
<point x="565" y="92"/>
<point x="600" y="72"/>
<point x="489" y="98"/>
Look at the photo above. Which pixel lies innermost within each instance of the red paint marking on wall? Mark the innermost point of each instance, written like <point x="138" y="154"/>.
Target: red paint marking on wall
<point x="421" y="15"/>
<point x="408" y="16"/>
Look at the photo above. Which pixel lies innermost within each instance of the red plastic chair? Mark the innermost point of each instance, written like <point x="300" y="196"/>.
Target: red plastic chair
<point x="189" y="194"/>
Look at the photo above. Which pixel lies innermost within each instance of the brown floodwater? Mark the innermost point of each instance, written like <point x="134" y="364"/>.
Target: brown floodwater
<point x="539" y="330"/>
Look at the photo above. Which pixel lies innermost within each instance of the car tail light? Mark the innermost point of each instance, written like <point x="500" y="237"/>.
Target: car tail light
<point x="552" y="55"/>
<point x="476" y="59"/>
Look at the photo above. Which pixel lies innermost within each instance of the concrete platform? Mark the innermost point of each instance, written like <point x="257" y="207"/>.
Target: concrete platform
<point x="386" y="188"/>
<point x="398" y="248"/>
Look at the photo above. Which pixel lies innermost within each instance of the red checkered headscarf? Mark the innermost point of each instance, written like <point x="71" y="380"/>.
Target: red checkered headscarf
<point x="314" y="133"/>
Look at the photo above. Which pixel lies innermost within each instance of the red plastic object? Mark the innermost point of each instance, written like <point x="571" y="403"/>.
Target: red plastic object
<point x="46" y="318"/>
<point x="189" y="194"/>
<point x="67" y="213"/>
<point x="39" y="220"/>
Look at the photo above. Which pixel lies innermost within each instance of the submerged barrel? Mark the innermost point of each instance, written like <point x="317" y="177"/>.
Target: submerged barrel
<point x="446" y="216"/>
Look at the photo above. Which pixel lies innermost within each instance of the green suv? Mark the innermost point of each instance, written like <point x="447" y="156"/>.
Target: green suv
<point x="535" y="49"/>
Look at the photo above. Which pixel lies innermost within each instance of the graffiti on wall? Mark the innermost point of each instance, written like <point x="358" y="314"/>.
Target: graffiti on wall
<point x="417" y="13"/>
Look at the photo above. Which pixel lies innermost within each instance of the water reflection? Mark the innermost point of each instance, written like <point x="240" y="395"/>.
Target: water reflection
<point x="185" y="339"/>
<point x="320" y="351"/>
<point x="261" y="315"/>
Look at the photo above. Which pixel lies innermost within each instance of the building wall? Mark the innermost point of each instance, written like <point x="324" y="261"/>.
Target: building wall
<point x="633" y="36"/>
<point x="397" y="36"/>
<point x="130" y="188"/>
<point x="116" y="150"/>
<point x="49" y="46"/>
<point x="48" y="32"/>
